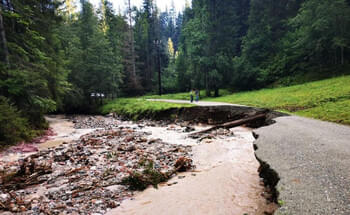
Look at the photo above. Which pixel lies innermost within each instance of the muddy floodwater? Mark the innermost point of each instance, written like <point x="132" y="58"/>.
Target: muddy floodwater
<point x="225" y="179"/>
<point x="64" y="130"/>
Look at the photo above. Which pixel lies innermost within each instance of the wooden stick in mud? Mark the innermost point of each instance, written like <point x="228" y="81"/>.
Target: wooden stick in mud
<point x="232" y="124"/>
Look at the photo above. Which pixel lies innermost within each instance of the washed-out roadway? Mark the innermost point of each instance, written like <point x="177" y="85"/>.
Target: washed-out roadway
<point x="312" y="159"/>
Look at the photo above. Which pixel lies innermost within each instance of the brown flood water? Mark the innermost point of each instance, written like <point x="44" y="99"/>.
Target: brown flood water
<point x="65" y="131"/>
<point x="226" y="181"/>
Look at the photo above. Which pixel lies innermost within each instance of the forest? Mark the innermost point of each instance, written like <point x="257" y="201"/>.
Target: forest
<point x="69" y="57"/>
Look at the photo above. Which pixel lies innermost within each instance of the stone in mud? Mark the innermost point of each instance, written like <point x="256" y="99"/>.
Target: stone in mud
<point x="183" y="164"/>
<point x="60" y="157"/>
<point x="90" y="168"/>
<point x="154" y="141"/>
<point x="129" y="138"/>
<point x="188" y="129"/>
<point x="142" y="139"/>
<point x="130" y="148"/>
<point x="207" y="137"/>
<point x="223" y="132"/>
<point x="4" y="199"/>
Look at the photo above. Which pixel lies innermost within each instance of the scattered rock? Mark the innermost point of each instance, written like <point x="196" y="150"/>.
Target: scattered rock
<point x="188" y="129"/>
<point x="66" y="179"/>
<point x="171" y="184"/>
<point x="81" y="122"/>
<point x="183" y="164"/>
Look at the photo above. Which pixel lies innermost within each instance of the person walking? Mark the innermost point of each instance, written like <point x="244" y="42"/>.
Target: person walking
<point x="191" y="96"/>
<point x="197" y="95"/>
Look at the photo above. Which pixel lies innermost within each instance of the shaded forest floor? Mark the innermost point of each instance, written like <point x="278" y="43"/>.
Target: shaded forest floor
<point x="327" y="100"/>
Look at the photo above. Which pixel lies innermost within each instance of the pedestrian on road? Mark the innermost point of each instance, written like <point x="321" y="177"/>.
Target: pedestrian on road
<point x="191" y="95"/>
<point x="197" y="95"/>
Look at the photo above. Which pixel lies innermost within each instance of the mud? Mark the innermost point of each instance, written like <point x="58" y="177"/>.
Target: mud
<point x="226" y="179"/>
<point x="212" y="115"/>
<point x="64" y="130"/>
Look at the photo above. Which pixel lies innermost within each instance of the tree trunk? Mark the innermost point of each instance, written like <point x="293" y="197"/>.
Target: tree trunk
<point x="342" y="55"/>
<point x="159" y="71"/>
<point x="207" y="90"/>
<point x="216" y="92"/>
<point x="232" y="124"/>
<point x="3" y="39"/>
<point x="133" y="73"/>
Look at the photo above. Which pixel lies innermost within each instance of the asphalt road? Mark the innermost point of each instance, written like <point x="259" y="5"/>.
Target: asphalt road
<point x="200" y="103"/>
<point x="312" y="159"/>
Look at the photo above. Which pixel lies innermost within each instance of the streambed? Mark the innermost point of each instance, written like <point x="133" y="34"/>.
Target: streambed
<point x="225" y="179"/>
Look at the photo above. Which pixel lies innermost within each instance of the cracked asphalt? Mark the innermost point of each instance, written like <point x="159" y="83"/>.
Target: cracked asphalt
<point x="312" y="159"/>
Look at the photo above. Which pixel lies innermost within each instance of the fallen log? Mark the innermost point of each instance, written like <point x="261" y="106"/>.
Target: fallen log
<point x="231" y="124"/>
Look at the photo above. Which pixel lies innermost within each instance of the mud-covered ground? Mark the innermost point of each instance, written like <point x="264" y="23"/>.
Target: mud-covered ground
<point x="96" y="172"/>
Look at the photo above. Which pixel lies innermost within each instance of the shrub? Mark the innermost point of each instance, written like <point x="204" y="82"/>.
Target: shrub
<point x="141" y="180"/>
<point x="13" y="127"/>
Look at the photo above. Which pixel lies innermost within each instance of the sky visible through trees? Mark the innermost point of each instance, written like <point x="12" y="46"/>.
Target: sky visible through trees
<point x="60" y="56"/>
<point x="162" y="4"/>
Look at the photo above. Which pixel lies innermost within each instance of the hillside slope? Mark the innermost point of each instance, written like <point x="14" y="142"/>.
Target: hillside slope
<point x="327" y="100"/>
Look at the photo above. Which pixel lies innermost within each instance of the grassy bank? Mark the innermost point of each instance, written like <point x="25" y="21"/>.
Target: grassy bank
<point x="185" y="96"/>
<point x="327" y="100"/>
<point x="135" y="108"/>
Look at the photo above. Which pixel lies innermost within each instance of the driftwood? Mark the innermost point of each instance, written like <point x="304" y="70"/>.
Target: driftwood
<point x="231" y="124"/>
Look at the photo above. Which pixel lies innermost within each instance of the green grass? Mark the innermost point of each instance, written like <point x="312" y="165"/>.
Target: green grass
<point x="338" y="112"/>
<point x="185" y="96"/>
<point x="136" y="108"/>
<point x="327" y="100"/>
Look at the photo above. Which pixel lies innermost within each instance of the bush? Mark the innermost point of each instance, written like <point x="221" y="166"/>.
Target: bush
<point x="141" y="180"/>
<point x="13" y="127"/>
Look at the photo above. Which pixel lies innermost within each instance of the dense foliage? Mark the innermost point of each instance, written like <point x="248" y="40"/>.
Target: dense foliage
<point x="13" y="126"/>
<point x="249" y="44"/>
<point x="60" y="56"/>
<point x="32" y="75"/>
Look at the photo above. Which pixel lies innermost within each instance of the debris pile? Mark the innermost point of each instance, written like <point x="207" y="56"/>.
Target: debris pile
<point x="29" y="171"/>
<point x="213" y="134"/>
<point x="88" y="176"/>
<point x="91" y="122"/>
